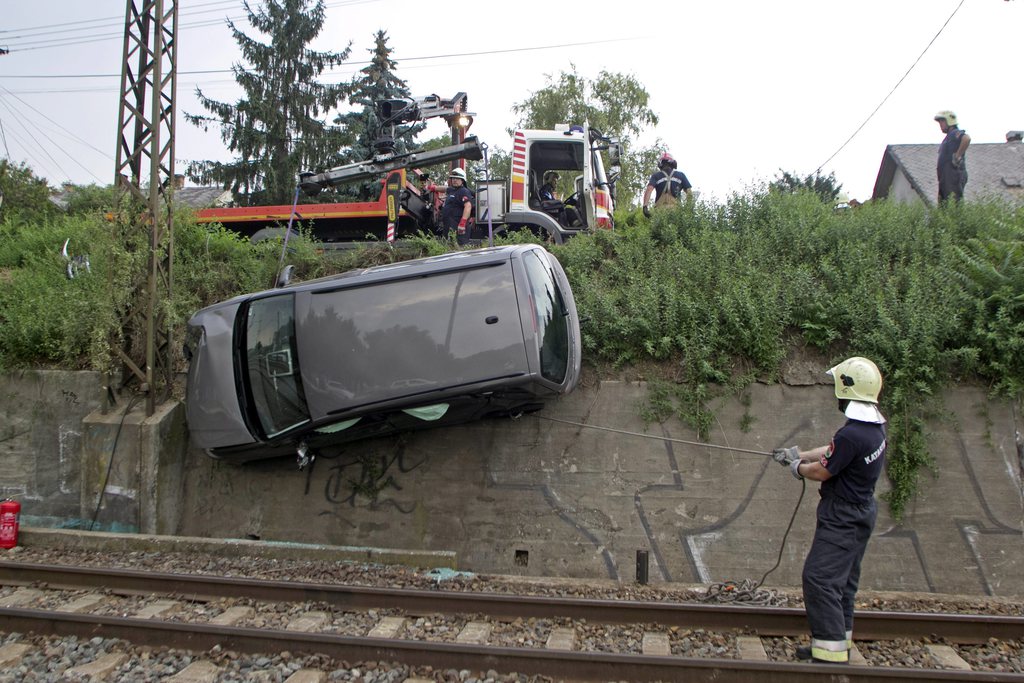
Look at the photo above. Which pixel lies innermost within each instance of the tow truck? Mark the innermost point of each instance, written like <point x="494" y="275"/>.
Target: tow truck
<point x="408" y="203"/>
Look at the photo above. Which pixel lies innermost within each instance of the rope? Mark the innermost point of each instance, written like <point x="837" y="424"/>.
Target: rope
<point x="652" y="436"/>
<point x="746" y="591"/>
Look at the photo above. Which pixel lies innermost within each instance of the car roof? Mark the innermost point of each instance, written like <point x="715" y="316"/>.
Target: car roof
<point x="455" y="260"/>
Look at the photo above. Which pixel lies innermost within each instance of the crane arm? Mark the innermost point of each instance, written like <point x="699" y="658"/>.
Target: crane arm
<point x="313" y="183"/>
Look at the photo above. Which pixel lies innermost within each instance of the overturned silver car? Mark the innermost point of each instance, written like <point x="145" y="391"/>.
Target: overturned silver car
<point x="417" y="344"/>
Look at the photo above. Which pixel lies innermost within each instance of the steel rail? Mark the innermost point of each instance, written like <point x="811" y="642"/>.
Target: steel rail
<point x="579" y="666"/>
<point x="766" y="621"/>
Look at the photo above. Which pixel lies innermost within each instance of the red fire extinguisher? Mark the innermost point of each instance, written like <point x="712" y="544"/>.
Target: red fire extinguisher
<point x="9" y="510"/>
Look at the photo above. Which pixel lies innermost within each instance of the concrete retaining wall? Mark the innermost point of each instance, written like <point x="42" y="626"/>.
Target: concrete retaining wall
<point x="133" y="468"/>
<point x="40" y="441"/>
<point x="538" y="497"/>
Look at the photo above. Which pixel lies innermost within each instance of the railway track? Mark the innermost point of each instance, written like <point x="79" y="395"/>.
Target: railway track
<point x="553" y="637"/>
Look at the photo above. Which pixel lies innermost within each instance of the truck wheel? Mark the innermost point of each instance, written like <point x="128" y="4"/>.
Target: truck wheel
<point x="537" y="230"/>
<point x="272" y="234"/>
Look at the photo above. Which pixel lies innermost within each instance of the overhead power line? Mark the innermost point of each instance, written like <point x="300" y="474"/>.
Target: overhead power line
<point x="29" y="122"/>
<point x="35" y="144"/>
<point x="51" y="29"/>
<point x="70" y="134"/>
<point x="898" y="83"/>
<point x="3" y="136"/>
<point x="112" y="27"/>
<point x="481" y="53"/>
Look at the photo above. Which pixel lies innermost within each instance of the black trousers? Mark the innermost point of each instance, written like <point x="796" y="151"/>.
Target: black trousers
<point x="952" y="182"/>
<point x="832" y="569"/>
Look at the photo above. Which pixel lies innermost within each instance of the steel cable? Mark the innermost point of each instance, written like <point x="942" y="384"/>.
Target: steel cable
<point x="652" y="436"/>
<point x="746" y="591"/>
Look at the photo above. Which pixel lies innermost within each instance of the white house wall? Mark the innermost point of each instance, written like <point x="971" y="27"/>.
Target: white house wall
<point x="902" y="191"/>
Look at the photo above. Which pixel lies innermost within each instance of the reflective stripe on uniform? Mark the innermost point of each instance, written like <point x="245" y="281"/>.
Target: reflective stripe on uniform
<point x="849" y="640"/>
<point x="830" y="650"/>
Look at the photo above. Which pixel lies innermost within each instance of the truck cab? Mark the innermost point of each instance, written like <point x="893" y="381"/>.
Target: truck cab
<point x="575" y="154"/>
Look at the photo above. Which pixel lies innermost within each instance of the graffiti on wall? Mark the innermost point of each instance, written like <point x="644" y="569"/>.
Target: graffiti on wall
<point x="371" y="476"/>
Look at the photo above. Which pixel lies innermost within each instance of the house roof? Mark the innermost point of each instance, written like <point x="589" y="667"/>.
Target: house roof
<point x="192" y="197"/>
<point x="61" y="198"/>
<point x="203" y="197"/>
<point x="994" y="170"/>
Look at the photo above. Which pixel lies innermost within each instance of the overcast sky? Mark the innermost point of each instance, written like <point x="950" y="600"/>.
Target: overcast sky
<point x="743" y="88"/>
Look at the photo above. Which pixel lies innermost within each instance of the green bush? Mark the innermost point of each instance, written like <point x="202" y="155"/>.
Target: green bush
<point x="45" y="317"/>
<point x="720" y="292"/>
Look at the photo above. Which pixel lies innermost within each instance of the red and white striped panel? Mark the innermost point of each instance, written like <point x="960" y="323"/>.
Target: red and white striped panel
<point x="518" y="191"/>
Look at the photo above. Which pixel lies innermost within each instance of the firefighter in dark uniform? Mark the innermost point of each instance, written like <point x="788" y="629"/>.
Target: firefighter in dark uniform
<point x="458" y="205"/>
<point x="848" y="469"/>
<point x="666" y="179"/>
<point x="952" y="162"/>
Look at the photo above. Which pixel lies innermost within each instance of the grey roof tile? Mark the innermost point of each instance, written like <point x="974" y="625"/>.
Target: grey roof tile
<point x="994" y="171"/>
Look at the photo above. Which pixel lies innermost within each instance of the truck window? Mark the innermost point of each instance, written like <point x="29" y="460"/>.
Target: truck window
<point x="272" y="364"/>
<point x="552" y="318"/>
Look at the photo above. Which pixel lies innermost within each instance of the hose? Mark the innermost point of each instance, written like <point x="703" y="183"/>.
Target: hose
<point x="110" y="463"/>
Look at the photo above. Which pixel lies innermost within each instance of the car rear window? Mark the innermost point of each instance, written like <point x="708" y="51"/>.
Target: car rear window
<point x="552" y="318"/>
<point x="272" y="364"/>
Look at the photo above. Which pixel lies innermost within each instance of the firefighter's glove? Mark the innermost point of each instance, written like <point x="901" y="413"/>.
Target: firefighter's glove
<point x="647" y="211"/>
<point x="794" y="467"/>
<point x="786" y="456"/>
<point x="462" y="226"/>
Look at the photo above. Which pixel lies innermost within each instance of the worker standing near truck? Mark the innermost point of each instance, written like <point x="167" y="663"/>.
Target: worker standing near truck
<point x="667" y="183"/>
<point x="848" y="469"/>
<point x="458" y="205"/>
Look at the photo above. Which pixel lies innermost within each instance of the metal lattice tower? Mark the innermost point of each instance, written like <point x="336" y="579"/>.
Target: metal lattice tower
<point x="145" y="169"/>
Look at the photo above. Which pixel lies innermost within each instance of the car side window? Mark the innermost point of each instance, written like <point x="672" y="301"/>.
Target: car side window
<point x="272" y="364"/>
<point x="551" y="316"/>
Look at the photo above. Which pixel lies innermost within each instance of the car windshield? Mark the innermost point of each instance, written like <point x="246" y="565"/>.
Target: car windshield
<point x="272" y="364"/>
<point x="552" y="318"/>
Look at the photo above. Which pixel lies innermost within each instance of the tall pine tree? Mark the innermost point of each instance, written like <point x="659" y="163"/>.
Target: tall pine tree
<point x="274" y="128"/>
<point x="377" y="82"/>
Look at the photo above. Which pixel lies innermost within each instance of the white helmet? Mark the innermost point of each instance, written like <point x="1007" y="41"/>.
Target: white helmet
<point x="947" y="116"/>
<point x="458" y="173"/>
<point x="857" y="379"/>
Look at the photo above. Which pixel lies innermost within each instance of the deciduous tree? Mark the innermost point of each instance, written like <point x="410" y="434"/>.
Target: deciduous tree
<point x="825" y="187"/>
<point x="614" y="103"/>
<point x="23" y="193"/>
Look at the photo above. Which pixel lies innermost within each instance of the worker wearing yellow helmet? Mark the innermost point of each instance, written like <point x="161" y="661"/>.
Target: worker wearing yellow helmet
<point x="952" y="162"/>
<point x="848" y="469"/>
